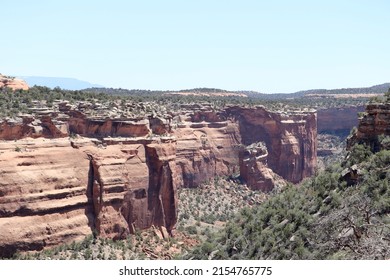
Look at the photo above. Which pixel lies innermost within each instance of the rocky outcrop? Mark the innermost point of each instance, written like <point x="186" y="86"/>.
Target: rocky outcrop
<point x="206" y="148"/>
<point x="206" y="140"/>
<point x="162" y="191"/>
<point x="46" y="126"/>
<point x="13" y="83"/>
<point x="134" y="186"/>
<point x="338" y="120"/>
<point x="79" y="122"/>
<point x="375" y="123"/>
<point x="72" y="121"/>
<point x="290" y="138"/>
<point x="254" y="170"/>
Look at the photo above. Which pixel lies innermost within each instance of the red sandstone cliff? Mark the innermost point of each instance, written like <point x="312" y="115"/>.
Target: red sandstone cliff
<point x="338" y="120"/>
<point x="56" y="190"/>
<point x="374" y="124"/>
<point x="254" y="168"/>
<point x="206" y="147"/>
<point x="44" y="195"/>
<point x="291" y="139"/>
<point x="133" y="186"/>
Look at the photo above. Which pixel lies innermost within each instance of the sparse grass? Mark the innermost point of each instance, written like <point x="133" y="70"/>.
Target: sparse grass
<point x="207" y="208"/>
<point x="150" y="246"/>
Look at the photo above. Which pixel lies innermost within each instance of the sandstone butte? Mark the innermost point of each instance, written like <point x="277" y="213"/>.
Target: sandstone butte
<point x="13" y="83"/>
<point x="119" y="175"/>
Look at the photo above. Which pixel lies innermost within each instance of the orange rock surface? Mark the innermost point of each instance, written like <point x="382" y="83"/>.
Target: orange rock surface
<point x="13" y="83"/>
<point x="291" y="139"/>
<point x="120" y="175"/>
<point x="374" y="124"/>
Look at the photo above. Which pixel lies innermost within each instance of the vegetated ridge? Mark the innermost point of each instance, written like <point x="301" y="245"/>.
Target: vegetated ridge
<point x="373" y="90"/>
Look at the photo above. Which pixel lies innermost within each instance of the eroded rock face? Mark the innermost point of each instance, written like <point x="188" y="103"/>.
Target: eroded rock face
<point x="58" y="188"/>
<point x="162" y="191"/>
<point x="56" y="191"/>
<point x="88" y="126"/>
<point x="206" y="140"/>
<point x="28" y="126"/>
<point x="291" y="139"/>
<point x="134" y="186"/>
<point x="254" y="170"/>
<point x="206" y="150"/>
<point x="44" y="195"/>
<point x="375" y="123"/>
<point x="116" y="171"/>
<point x="338" y="120"/>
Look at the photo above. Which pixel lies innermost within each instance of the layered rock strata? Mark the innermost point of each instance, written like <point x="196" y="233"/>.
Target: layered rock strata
<point x="374" y="124"/>
<point x="44" y="195"/>
<point x="290" y="138"/>
<point x="206" y="148"/>
<point x="57" y="191"/>
<point x="338" y="120"/>
<point x="133" y="186"/>
<point x="254" y="169"/>
<point x="123" y="174"/>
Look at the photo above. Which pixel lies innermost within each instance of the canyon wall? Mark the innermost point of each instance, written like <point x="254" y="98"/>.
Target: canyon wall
<point x="338" y="120"/>
<point x="44" y="195"/>
<point x="207" y="146"/>
<point x="66" y="174"/>
<point x="254" y="168"/>
<point x="374" y="123"/>
<point x="209" y="142"/>
<point x="57" y="191"/>
<point x="291" y="139"/>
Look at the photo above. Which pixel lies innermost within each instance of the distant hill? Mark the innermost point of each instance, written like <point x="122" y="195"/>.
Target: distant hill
<point x="365" y="92"/>
<point x="382" y="88"/>
<point x="64" y="83"/>
<point x="75" y="84"/>
<point x="374" y="90"/>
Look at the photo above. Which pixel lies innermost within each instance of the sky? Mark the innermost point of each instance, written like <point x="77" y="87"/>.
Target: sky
<point x="266" y="46"/>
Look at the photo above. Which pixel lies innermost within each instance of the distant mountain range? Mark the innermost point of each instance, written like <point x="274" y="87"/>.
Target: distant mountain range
<point x="64" y="83"/>
<point x="374" y="90"/>
<point x="382" y="88"/>
<point x="364" y="92"/>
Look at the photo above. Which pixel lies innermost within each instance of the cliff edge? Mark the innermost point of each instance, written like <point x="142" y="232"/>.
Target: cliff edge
<point x="67" y="173"/>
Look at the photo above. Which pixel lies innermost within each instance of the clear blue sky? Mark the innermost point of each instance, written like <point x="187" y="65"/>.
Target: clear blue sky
<point x="267" y="46"/>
